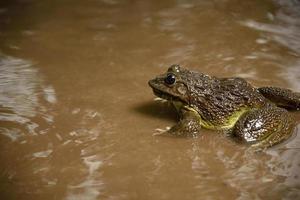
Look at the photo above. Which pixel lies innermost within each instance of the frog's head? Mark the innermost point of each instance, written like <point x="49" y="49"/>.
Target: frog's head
<point x="178" y="84"/>
<point x="171" y="85"/>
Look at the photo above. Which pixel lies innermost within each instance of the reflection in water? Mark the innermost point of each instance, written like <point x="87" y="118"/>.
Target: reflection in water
<point x="86" y="138"/>
<point x="285" y="162"/>
<point x="292" y="75"/>
<point x="26" y="110"/>
<point x="22" y="91"/>
<point x="42" y="154"/>
<point x="284" y="28"/>
<point x="89" y="188"/>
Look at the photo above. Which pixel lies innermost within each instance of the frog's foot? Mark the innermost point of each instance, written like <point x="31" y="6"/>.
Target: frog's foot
<point x="186" y="128"/>
<point x="189" y="125"/>
<point x="161" y="100"/>
<point x="264" y="127"/>
<point x="160" y="131"/>
<point x="282" y="97"/>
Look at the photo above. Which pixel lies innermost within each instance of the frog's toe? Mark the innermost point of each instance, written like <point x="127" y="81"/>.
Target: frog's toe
<point x="160" y="131"/>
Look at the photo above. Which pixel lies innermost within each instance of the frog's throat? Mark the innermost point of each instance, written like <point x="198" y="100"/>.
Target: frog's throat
<point x="228" y="124"/>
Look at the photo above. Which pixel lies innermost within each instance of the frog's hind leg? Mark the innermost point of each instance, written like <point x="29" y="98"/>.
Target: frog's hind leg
<point x="282" y="97"/>
<point x="264" y="127"/>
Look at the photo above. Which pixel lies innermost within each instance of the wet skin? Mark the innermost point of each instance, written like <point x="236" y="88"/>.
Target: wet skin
<point x="253" y="115"/>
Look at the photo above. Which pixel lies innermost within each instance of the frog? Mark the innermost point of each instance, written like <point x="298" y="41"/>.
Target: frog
<point x="258" y="116"/>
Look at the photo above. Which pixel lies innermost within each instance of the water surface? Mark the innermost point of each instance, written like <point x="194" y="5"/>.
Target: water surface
<point x="77" y="115"/>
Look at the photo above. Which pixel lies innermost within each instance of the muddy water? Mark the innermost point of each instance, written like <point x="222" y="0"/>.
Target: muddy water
<point x="77" y="115"/>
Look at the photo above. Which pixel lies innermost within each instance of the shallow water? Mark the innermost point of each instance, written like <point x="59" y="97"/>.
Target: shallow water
<point x="77" y="115"/>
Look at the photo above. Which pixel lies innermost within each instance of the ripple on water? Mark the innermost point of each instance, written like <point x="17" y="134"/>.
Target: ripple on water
<point x="85" y="136"/>
<point x="90" y="187"/>
<point x="284" y="27"/>
<point x="22" y="91"/>
<point x="292" y="75"/>
<point x="42" y="154"/>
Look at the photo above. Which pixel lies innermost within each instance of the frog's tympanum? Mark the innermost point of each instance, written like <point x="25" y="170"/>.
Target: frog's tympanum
<point x="254" y="115"/>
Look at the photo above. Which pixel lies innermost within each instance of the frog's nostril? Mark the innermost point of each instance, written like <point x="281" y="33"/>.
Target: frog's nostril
<point x="150" y="83"/>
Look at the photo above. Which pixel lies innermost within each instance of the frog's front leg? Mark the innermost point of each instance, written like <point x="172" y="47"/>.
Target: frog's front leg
<point x="264" y="127"/>
<point x="189" y="125"/>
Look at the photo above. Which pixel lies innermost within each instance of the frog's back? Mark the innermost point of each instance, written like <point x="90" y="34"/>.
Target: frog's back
<point x="222" y="104"/>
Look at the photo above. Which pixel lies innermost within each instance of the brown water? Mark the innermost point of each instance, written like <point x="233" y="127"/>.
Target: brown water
<point x="77" y="115"/>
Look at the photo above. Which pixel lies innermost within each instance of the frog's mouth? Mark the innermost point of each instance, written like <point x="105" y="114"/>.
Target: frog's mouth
<point x="166" y="96"/>
<point x="162" y="95"/>
<point x="164" y="92"/>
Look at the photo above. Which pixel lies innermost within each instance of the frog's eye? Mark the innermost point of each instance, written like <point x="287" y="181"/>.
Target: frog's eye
<point x="170" y="79"/>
